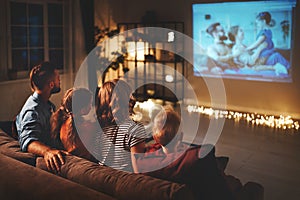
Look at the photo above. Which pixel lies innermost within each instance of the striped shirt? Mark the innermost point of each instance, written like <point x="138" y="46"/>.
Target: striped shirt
<point x="113" y="145"/>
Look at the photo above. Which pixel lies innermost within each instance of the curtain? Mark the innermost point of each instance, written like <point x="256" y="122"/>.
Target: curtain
<point x="87" y="16"/>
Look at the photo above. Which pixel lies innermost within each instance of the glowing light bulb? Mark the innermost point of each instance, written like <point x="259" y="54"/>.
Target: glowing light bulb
<point x="169" y="78"/>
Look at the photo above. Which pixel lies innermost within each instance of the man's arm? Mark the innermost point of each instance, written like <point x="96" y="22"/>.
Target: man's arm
<point x="53" y="157"/>
<point x="29" y="139"/>
<point x="211" y="52"/>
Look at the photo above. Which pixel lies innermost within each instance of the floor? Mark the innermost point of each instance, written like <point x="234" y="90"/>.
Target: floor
<point x="261" y="154"/>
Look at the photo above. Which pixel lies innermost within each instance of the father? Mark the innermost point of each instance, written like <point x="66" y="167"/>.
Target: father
<point x="219" y="51"/>
<point x="33" y="122"/>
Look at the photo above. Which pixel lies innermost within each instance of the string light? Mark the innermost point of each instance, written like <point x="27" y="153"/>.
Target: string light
<point x="281" y="122"/>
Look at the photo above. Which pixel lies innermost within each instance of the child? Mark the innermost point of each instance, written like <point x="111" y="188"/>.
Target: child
<point x="195" y="166"/>
<point x="76" y="103"/>
<point x="120" y="135"/>
<point x="243" y="57"/>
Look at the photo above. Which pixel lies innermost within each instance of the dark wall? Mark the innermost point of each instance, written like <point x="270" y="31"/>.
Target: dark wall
<point x="248" y="96"/>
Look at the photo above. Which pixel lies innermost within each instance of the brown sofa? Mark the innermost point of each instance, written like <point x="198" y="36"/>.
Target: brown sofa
<point x="23" y="175"/>
<point x="20" y="178"/>
<point x="22" y="181"/>
<point x="119" y="184"/>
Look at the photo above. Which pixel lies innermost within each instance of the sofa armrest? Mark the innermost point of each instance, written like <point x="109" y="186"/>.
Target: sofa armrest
<point x="119" y="184"/>
<point x="11" y="148"/>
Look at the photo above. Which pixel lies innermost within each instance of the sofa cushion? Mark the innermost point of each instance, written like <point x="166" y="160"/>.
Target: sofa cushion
<point x="195" y="166"/>
<point x="11" y="147"/>
<point x="119" y="184"/>
<point x="6" y="126"/>
<point x="22" y="181"/>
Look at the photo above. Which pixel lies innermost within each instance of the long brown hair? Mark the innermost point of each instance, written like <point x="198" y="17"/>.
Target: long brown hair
<point x="68" y="110"/>
<point x="114" y="103"/>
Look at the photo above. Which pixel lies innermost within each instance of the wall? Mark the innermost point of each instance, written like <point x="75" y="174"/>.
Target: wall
<point x="110" y="12"/>
<point x="15" y="92"/>
<point x="248" y="96"/>
<point x="269" y="98"/>
<point x="260" y="97"/>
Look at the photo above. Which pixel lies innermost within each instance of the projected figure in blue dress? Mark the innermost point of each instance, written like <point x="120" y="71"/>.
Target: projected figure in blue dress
<point x="251" y="63"/>
<point x="269" y="54"/>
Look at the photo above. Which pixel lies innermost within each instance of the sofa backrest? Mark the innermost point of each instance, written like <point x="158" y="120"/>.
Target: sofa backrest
<point x="119" y="184"/>
<point x="6" y="126"/>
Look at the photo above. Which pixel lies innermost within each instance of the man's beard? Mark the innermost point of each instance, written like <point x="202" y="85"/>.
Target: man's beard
<point x="222" y="38"/>
<point x="55" y="90"/>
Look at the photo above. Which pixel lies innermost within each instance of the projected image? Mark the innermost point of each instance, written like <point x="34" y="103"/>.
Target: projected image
<point x="244" y="40"/>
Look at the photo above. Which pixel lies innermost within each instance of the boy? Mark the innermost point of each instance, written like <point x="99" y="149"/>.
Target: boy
<point x="195" y="166"/>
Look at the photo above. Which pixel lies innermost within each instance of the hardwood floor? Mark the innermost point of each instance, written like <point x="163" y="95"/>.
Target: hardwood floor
<point x="260" y="154"/>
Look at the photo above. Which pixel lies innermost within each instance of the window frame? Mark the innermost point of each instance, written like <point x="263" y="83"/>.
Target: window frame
<point x="21" y="74"/>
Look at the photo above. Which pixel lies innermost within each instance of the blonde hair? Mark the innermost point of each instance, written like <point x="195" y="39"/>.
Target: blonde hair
<point x="166" y="126"/>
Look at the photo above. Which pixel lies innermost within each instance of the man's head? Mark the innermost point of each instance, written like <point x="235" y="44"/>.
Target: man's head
<point x="166" y="127"/>
<point x="216" y="31"/>
<point x="45" y="75"/>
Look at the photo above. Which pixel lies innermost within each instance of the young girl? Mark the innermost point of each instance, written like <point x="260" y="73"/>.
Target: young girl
<point x="264" y="22"/>
<point x="120" y="135"/>
<point x="241" y="56"/>
<point x="75" y="104"/>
